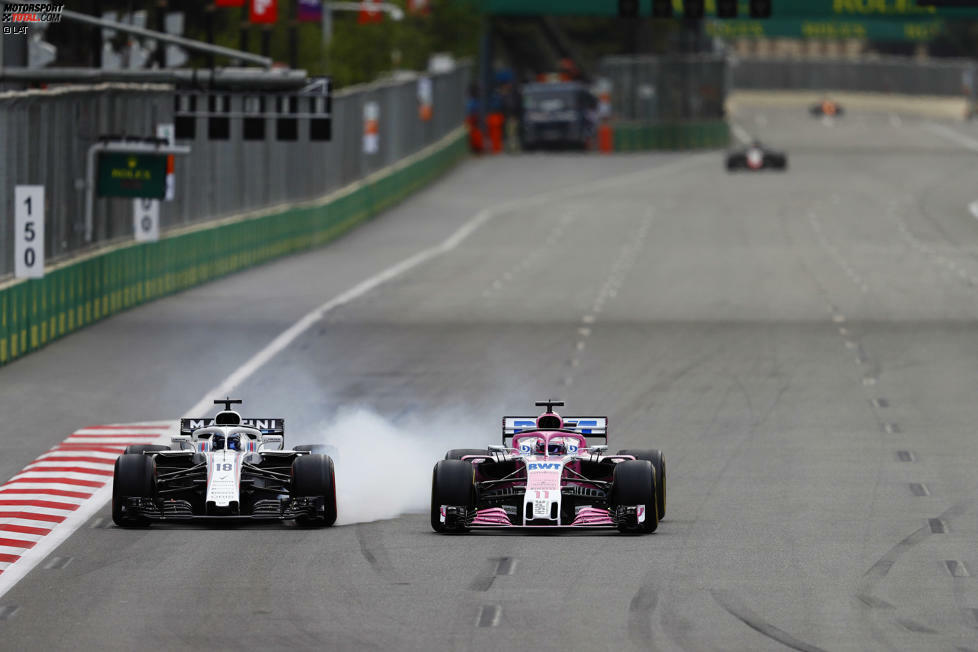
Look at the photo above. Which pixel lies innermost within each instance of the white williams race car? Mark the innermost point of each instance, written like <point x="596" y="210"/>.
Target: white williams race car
<point x="225" y="467"/>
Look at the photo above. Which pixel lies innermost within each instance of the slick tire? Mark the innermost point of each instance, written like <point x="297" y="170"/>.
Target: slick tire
<point x="452" y="483"/>
<point x="634" y="484"/>
<point x="659" y="464"/>
<point x="134" y="477"/>
<point x="139" y="449"/>
<point x="459" y="453"/>
<point x="321" y="449"/>
<point x="313" y="476"/>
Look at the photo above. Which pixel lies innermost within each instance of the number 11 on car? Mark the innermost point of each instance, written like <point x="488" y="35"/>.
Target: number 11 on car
<point x="29" y="231"/>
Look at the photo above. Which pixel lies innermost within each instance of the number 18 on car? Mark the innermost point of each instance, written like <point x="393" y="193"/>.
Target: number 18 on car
<point x="29" y="231"/>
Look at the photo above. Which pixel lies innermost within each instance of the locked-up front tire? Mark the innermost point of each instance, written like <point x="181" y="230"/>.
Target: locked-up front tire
<point x="313" y="476"/>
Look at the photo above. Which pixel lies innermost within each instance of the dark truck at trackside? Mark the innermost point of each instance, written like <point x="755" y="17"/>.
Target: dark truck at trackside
<point x="557" y="116"/>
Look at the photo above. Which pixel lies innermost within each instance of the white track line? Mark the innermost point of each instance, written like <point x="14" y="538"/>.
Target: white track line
<point x="950" y="134"/>
<point x="289" y="335"/>
<point x="59" y="532"/>
<point x="87" y="505"/>
<point x="740" y="133"/>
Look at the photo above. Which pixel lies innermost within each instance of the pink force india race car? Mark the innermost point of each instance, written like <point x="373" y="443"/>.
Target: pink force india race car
<point x="547" y="475"/>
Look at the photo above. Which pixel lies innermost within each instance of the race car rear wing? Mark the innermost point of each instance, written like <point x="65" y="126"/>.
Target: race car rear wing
<point x="596" y="427"/>
<point x="266" y="426"/>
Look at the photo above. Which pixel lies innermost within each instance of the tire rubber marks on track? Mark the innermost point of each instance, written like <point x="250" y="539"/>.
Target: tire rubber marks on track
<point x="46" y="501"/>
<point x="882" y="566"/>
<point x="489" y="615"/>
<point x="736" y="608"/>
<point x="951" y="268"/>
<point x="640" y="612"/>
<point x="499" y="567"/>
<point x="373" y="550"/>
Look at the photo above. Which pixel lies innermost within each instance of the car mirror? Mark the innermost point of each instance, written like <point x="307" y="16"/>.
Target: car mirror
<point x="497" y="448"/>
<point x="600" y="448"/>
<point x="182" y="442"/>
<point x="271" y="443"/>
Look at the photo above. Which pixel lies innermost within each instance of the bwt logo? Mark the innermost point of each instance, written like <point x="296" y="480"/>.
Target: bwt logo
<point x="544" y="466"/>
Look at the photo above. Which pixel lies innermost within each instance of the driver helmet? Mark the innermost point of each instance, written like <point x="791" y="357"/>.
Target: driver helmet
<point x="234" y="442"/>
<point x="555" y="447"/>
<point x="217" y="442"/>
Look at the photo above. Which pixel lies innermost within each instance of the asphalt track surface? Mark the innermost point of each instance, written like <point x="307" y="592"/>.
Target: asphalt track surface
<point x="801" y="345"/>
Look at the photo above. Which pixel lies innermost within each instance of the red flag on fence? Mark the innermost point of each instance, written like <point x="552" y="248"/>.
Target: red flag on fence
<point x="264" y="11"/>
<point x="370" y="15"/>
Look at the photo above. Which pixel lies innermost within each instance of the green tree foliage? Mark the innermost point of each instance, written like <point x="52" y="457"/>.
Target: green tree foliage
<point x="360" y="53"/>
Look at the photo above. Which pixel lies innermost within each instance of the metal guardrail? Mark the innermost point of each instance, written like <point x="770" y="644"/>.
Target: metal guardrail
<point x="902" y="75"/>
<point x="653" y="89"/>
<point x="45" y="136"/>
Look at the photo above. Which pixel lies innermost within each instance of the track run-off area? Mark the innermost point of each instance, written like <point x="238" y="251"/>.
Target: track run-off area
<point x="801" y="345"/>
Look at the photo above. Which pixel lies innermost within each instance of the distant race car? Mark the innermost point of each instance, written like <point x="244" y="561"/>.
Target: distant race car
<point x="826" y="108"/>
<point x="756" y="157"/>
<point x="225" y="467"/>
<point x="546" y="475"/>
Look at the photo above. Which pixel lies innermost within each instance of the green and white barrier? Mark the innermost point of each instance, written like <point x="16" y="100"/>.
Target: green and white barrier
<point x="634" y="136"/>
<point x="88" y="288"/>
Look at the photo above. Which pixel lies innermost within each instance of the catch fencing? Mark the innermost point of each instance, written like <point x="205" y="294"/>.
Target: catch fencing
<point x="45" y="136"/>
<point x="901" y="75"/>
<point x="666" y="89"/>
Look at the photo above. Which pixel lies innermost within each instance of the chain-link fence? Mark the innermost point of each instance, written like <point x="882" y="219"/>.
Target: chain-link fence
<point x="45" y="135"/>
<point x="901" y="75"/>
<point x="662" y="89"/>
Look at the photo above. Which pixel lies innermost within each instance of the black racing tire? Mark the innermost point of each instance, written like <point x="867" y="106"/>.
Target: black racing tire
<point x="452" y="483"/>
<point x="139" y="449"/>
<point x="633" y="483"/>
<point x="658" y="460"/>
<point x="320" y="449"/>
<point x="459" y="453"/>
<point x="134" y="477"/>
<point x="313" y="476"/>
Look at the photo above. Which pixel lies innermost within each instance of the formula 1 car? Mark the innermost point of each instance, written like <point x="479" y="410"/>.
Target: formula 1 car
<point x="828" y="108"/>
<point x="225" y="467"/>
<point x="756" y="157"/>
<point x="545" y="474"/>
